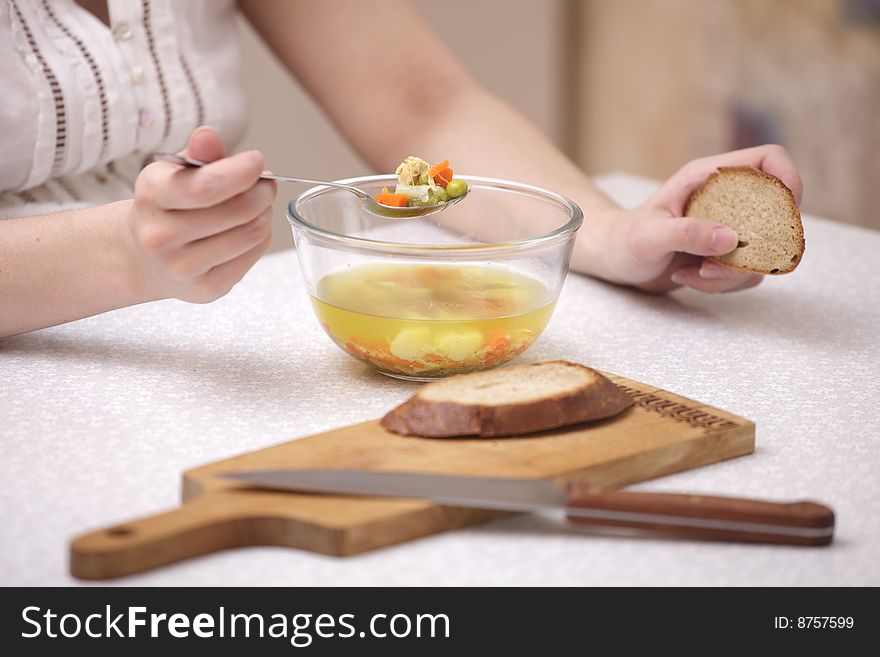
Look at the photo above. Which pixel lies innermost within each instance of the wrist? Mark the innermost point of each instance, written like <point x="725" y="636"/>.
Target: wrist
<point x="124" y="261"/>
<point x="594" y="248"/>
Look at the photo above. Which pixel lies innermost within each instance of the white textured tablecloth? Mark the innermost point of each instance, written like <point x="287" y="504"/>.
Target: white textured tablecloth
<point x="99" y="418"/>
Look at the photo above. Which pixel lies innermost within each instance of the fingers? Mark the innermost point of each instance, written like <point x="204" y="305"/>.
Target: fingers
<point x="193" y="225"/>
<point x="171" y="187"/>
<point x="712" y="277"/>
<point x="653" y="239"/>
<point x="204" y="145"/>
<point x="199" y="257"/>
<point x="773" y="159"/>
<point x="187" y="222"/>
<point x="219" y="280"/>
<point x="166" y="232"/>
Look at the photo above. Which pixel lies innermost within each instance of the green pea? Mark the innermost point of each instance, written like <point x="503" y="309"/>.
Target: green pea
<point x="456" y="188"/>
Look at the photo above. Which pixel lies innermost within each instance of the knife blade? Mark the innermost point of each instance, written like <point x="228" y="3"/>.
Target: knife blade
<point x="675" y="514"/>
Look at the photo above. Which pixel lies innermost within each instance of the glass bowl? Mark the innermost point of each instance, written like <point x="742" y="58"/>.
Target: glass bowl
<point x="465" y="289"/>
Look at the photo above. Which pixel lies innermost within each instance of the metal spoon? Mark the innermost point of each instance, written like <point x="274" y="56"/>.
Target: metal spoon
<point x="369" y="203"/>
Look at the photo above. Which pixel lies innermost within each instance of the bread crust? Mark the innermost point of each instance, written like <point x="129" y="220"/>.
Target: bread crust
<point x="432" y="419"/>
<point x="793" y="214"/>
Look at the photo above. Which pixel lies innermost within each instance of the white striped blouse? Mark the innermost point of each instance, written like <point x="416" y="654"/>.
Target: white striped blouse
<point x="83" y="104"/>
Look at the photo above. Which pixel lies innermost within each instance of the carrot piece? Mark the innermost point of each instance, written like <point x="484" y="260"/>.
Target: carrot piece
<point x="443" y="177"/>
<point x="497" y="349"/>
<point x="441" y="173"/>
<point x="393" y="200"/>
<point x="437" y="168"/>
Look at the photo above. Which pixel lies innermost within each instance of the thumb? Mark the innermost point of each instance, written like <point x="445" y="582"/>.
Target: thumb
<point x="205" y="145"/>
<point x="687" y="235"/>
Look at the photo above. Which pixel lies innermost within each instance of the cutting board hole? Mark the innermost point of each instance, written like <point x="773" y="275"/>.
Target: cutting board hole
<point x="119" y="532"/>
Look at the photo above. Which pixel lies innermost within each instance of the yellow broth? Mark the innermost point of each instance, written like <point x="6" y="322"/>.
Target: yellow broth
<point x="432" y="320"/>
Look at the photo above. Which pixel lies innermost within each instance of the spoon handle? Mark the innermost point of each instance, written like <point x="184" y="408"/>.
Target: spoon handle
<point x="190" y="162"/>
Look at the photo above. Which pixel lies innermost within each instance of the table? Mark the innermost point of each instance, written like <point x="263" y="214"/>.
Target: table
<point x="98" y="419"/>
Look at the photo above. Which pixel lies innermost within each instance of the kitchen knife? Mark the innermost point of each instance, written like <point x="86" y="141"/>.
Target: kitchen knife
<point x="681" y="515"/>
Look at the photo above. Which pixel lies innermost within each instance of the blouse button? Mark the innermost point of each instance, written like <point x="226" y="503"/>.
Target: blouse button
<point x="145" y="118"/>
<point x="122" y="32"/>
<point x="137" y="74"/>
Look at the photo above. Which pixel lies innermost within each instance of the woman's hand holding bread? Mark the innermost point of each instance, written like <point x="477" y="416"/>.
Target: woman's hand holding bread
<point x="657" y="248"/>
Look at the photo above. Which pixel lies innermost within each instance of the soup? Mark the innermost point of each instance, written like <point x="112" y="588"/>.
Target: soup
<point x="432" y="320"/>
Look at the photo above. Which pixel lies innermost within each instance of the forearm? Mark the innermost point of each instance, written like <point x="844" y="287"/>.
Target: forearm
<point x="65" y="266"/>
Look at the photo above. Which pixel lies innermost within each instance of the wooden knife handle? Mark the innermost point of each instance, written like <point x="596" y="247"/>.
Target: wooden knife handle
<point x="701" y="516"/>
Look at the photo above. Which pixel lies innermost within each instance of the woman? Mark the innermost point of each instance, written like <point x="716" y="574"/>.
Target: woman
<point x="92" y="88"/>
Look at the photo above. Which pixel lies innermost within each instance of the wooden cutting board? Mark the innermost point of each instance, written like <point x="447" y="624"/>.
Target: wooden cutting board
<point x="660" y="434"/>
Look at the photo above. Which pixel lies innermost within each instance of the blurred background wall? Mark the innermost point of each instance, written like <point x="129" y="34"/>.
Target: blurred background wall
<point x="640" y="86"/>
<point x="663" y="81"/>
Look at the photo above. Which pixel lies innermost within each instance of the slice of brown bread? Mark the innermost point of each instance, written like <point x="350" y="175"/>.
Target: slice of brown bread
<point x="762" y="211"/>
<point x="508" y="401"/>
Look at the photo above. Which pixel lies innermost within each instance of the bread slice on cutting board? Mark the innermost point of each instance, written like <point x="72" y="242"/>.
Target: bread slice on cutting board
<point x="508" y="401"/>
<point x="762" y="211"/>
